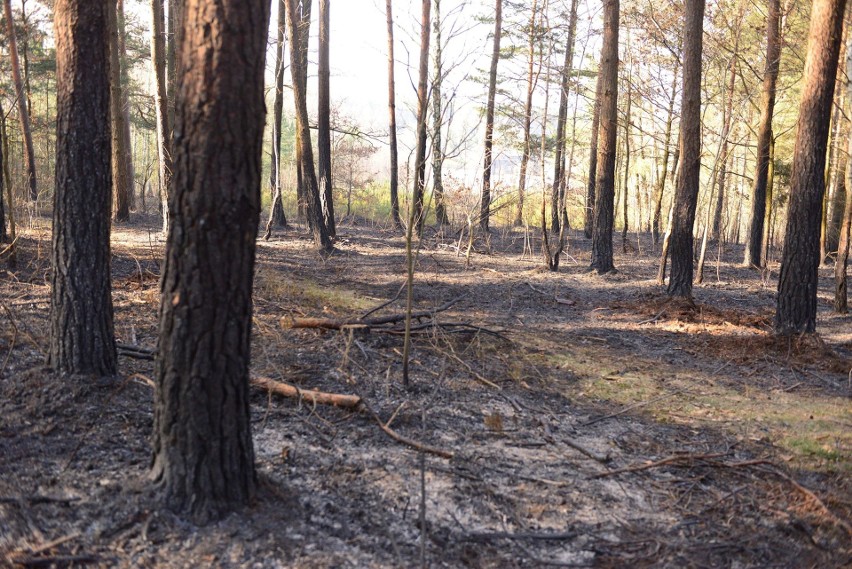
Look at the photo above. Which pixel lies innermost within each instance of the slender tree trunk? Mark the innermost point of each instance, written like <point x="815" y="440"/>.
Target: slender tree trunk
<point x="161" y="106"/>
<point x="686" y="192"/>
<point x="721" y="175"/>
<point x="662" y="173"/>
<point x="532" y="79"/>
<point x="125" y="105"/>
<point x="203" y="454"/>
<point x="558" y="191"/>
<point x="797" y="284"/>
<point x="417" y="195"/>
<point x="608" y="132"/>
<point x="326" y="185"/>
<point x="841" y="263"/>
<point x="4" y="236"/>
<point x="82" y="339"/>
<point x="394" y="156"/>
<point x="6" y="176"/>
<point x="770" y="78"/>
<point x="485" y="203"/>
<point x="437" y="118"/>
<point x="174" y="20"/>
<point x="120" y="182"/>
<point x="20" y="93"/>
<point x="276" y="213"/>
<point x="303" y="136"/>
<point x="591" y="194"/>
<point x="300" y="43"/>
<point x="626" y="179"/>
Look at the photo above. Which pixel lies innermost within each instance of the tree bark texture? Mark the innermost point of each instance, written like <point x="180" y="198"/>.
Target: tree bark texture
<point x="485" y="200"/>
<point x="591" y="194"/>
<point x="203" y="454"/>
<point x="3" y="234"/>
<point x="607" y="136"/>
<point x="326" y="185"/>
<point x="276" y="212"/>
<point x="419" y="190"/>
<point x="161" y="106"/>
<point x="300" y="42"/>
<point x="686" y="191"/>
<point x="841" y="263"/>
<point x="557" y="196"/>
<point x="82" y="339"/>
<point x="532" y="79"/>
<point x="394" y="153"/>
<point x="437" y="120"/>
<point x="125" y="104"/>
<point x="313" y="205"/>
<point x="764" y="136"/>
<point x="797" y="283"/>
<point x="120" y="182"/>
<point x="20" y="93"/>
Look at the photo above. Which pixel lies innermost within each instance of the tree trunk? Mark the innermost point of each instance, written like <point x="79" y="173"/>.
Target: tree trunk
<point x="394" y="156"/>
<point x="82" y="339"/>
<point x="120" y="182"/>
<point x="558" y="191"/>
<point x="727" y="118"/>
<point x="175" y="18"/>
<point x="437" y="118"/>
<point x="841" y="263"/>
<point x="531" y="83"/>
<point x="203" y="455"/>
<point x="276" y="211"/>
<point x="764" y="134"/>
<point x="417" y="194"/>
<point x="626" y="179"/>
<point x="686" y="192"/>
<point x="23" y="113"/>
<point x="797" y="284"/>
<point x="6" y="176"/>
<point x="125" y="104"/>
<point x="485" y="203"/>
<point x="161" y="106"/>
<point x="300" y="42"/>
<point x="662" y="173"/>
<point x="591" y="194"/>
<point x="313" y="206"/>
<point x="608" y="132"/>
<point x="4" y="236"/>
<point x="326" y="185"/>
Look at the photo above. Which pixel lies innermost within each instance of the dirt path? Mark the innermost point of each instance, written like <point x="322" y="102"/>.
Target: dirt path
<point x="591" y="422"/>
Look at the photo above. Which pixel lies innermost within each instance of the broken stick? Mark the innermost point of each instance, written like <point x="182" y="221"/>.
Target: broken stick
<point x="315" y="397"/>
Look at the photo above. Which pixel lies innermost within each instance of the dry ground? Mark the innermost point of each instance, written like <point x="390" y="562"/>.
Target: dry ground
<point x="591" y="423"/>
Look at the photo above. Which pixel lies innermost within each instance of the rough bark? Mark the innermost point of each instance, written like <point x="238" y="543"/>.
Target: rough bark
<point x="591" y="194"/>
<point x="174" y="19"/>
<point x="276" y="211"/>
<point x="82" y="339"/>
<point x="418" y="192"/>
<point x="20" y="93"/>
<point x="6" y="176"/>
<point x="161" y="106"/>
<point x="203" y="455"/>
<point x="125" y="104"/>
<point x="686" y="191"/>
<point x="527" y="120"/>
<point x="764" y="136"/>
<point x="437" y="119"/>
<point x="841" y="263"/>
<point x="324" y="121"/>
<point x="120" y="182"/>
<point x="299" y="42"/>
<point x="313" y="206"/>
<point x="797" y="284"/>
<point x="607" y="135"/>
<point x="558" y="192"/>
<point x="485" y="200"/>
<point x="394" y="153"/>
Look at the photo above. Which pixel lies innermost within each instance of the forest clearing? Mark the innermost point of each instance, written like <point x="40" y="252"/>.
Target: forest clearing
<point x="590" y="421"/>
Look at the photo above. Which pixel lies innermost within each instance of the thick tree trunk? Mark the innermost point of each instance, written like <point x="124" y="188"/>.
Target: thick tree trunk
<point x="797" y="284"/>
<point x="120" y="182"/>
<point x="418" y="192"/>
<point x="394" y="154"/>
<point x="591" y="194"/>
<point x="203" y="455"/>
<point x="764" y="135"/>
<point x="276" y="211"/>
<point x="20" y="93"/>
<point x="326" y="185"/>
<point x="485" y="201"/>
<point x="437" y="119"/>
<point x="313" y="205"/>
<point x="161" y="107"/>
<point x="686" y="192"/>
<point x="82" y="339"/>
<point x="663" y="171"/>
<point x="532" y="79"/>
<point x="557" y="196"/>
<point x="608" y="132"/>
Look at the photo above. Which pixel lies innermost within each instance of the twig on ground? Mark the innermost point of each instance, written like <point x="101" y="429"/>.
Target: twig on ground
<point x="54" y="560"/>
<point x="384" y="304"/>
<point x="587" y="452"/>
<point x="662" y="462"/>
<point x="315" y="397"/>
<point x="814" y="498"/>
<point x="365" y="323"/>
<point x="631" y="407"/>
<point x="405" y="440"/>
<point x="532" y="535"/>
<point x="565" y="301"/>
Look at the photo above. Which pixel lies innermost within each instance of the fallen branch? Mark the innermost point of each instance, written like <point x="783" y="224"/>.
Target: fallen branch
<point x="533" y="535"/>
<point x="814" y="498"/>
<point x="314" y="397"/>
<point x="55" y="560"/>
<point x="662" y="462"/>
<point x="405" y="440"/>
<point x="631" y="407"/>
<point x="363" y="323"/>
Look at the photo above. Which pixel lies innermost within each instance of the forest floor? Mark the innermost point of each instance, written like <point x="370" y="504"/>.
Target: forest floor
<point x="591" y="423"/>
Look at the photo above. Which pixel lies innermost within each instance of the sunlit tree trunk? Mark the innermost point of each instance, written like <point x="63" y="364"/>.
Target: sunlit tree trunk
<point x="326" y="185"/>
<point x="662" y="171"/>
<point x="591" y="180"/>
<point x="125" y="105"/>
<point x="485" y="200"/>
<point x="161" y="106"/>
<point x="841" y="263"/>
<point x="203" y="460"/>
<point x="437" y="118"/>
<point x="527" y="120"/>
<point x="558" y="192"/>
<point x="394" y="155"/>
<point x="276" y="210"/>
<point x="82" y="338"/>
<point x="727" y="119"/>
<point x="797" y="283"/>
<point x="299" y="44"/>
<point x="417" y="194"/>
<point x="120" y="182"/>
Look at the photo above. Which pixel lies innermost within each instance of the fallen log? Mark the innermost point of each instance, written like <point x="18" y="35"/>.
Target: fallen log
<point x="361" y="323"/>
<point x="314" y="397"/>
